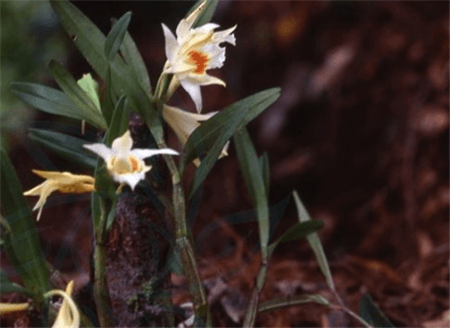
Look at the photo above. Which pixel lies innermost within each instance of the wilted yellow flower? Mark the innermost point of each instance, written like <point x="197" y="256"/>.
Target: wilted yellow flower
<point x="126" y="165"/>
<point x="68" y="315"/>
<point x="183" y="123"/>
<point x="194" y="51"/>
<point x="64" y="182"/>
<point x="8" y="308"/>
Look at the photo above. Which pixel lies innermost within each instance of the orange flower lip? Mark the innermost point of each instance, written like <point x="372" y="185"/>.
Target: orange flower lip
<point x="199" y="59"/>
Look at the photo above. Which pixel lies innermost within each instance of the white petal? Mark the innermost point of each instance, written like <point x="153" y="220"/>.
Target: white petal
<point x="225" y="36"/>
<point x="208" y="79"/>
<point x="122" y="145"/>
<point x="144" y="153"/>
<point x="206" y="28"/>
<point x="193" y="89"/>
<point x="171" y="43"/>
<point x="130" y="179"/>
<point x="100" y="149"/>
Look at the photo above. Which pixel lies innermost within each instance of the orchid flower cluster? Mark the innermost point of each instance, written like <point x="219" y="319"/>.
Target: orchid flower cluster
<point x="189" y="55"/>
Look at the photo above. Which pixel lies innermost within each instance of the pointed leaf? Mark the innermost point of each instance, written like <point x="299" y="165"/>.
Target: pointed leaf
<point x="71" y="88"/>
<point x="205" y="136"/>
<point x="208" y="162"/>
<point x="295" y="232"/>
<point x="370" y="312"/>
<point x="207" y="13"/>
<point x="119" y="122"/>
<point x="134" y="60"/>
<point x="48" y="100"/>
<point x="64" y="145"/>
<point x="115" y="37"/>
<point x="291" y="301"/>
<point x="90" y="86"/>
<point x="265" y="171"/>
<point x="6" y="286"/>
<point x="90" y="41"/>
<point x="314" y="241"/>
<point x="248" y="161"/>
<point x="22" y="244"/>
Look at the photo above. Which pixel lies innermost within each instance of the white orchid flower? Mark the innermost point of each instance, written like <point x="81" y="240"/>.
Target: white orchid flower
<point x="183" y="123"/>
<point x="194" y="51"/>
<point x="64" y="182"/>
<point x="126" y="165"/>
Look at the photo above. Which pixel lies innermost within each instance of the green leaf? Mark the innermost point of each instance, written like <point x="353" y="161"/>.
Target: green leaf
<point x="207" y="13"/>
<point x="119" y="122"/>
<point x="370" y="312"/>
<point x="71" y="88"/>
<point x="90" y="41"/>
<point x="6" y="286"/>
<point x="90" y="86"/>
<point x="208" y="162"/>
<point x="22" y="244"/>
<point x="134" y="60"/>
<point x="64" y="145"/>
<point x="265" y="171"/>
<point x="48" y="100"/>
<point x="115" y="37"/>
<point x="248" y="161"/>
<point x="207" y="134"/>
<point x="295" y="232"/>
<point x="291" y="301"/>
<point x="314" y="241"/>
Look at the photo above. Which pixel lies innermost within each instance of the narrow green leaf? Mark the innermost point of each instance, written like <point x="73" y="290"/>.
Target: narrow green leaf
<point x="206" y="135"/>
<point x="134" y="60"/>
<point x="248" y="161"/>
<point x="48" y="100"/>
<point x="71" y="88"/>
<point x="64" y="145"/>
<point x="370" y="312"/>
<point x="265" y="171"/>
<point x="295" y="232"/>
<point x="291" y="301"/>
<point x="22" y="244"/>
<point x="115" y="37"/>
<point x="90" y="41"/>
<point x="314" y="241"/>
<point x="119" y="122"/>
<point x="208" y="162"/>
<point x="6" y="286"/>
<point x="207" y="13"/>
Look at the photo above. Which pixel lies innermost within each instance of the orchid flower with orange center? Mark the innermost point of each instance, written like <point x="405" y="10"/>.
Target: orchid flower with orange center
<point x="183" y="123"/>
<point x="126" y="166"/>
<point x="64" y="182"/>
<point x="193" y="52"/>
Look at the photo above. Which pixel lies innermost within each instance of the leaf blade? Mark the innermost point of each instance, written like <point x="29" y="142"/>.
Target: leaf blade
<point x="314" y="242"/>
<point x="115" y="37"/>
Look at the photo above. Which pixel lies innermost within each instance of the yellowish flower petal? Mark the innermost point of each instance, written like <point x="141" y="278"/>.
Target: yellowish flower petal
<point x="64" y="182"/>
<point x="8" y="307"/>
<point x="68" y="314"/>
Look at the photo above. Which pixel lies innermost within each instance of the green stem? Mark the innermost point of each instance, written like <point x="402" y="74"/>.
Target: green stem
<point x="252" y="309"/>
<point x="184" y="246"/>
<point x="101" y="292"/>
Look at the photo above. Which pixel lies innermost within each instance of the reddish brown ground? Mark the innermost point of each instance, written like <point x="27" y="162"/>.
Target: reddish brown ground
<point x="360" y="130"/>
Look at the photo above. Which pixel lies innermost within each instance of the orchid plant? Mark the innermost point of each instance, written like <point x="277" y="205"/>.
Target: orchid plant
<point x="195" y="48"/>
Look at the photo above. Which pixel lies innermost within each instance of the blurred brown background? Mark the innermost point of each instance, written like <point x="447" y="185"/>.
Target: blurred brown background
<point x="360" y="130"/>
